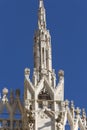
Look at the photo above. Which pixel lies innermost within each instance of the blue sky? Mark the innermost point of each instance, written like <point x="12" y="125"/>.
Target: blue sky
<point x="67" y="22"/>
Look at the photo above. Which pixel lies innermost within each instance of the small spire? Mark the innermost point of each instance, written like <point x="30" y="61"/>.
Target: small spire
<point x="41" y="3"/>
<point x="41" y="15"/>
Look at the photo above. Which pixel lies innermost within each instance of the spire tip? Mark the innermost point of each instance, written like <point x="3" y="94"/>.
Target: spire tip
<point x="41" y="3"/>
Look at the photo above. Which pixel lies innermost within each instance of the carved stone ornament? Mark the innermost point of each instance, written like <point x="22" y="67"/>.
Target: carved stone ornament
<point x="42" y="115"/>
<point x="27" y="71"/>
<point x="60" y="126"/>
<point x="5" y="92"/>
<point x="31" y="125"/>
<point x="61" y="73"/>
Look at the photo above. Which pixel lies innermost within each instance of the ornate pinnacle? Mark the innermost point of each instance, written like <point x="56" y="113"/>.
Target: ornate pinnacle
<point x="77" y="111"/>
<point x="27" y="71"/>
<point x="61" y="73"/>
<point x="41" y="15"/>
<point x="72" y="104"/>
<point x="66" y="102"/>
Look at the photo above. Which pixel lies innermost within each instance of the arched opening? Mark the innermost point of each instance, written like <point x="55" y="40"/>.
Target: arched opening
<point x="44" y="95"/>
<point x="44" y="98"/>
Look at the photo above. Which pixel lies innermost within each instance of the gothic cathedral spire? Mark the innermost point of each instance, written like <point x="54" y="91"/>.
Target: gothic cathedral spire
<point x="42" y="46"/>
<point x="45" y="108"/>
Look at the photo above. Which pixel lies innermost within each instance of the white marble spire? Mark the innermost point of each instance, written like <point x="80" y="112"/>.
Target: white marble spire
<point x="41" y="3"/>
<point x="41" y="15"/>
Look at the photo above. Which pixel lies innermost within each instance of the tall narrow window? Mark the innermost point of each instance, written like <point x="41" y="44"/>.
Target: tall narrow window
<point x="47" y="58"/>
<point x="43" y="55"/>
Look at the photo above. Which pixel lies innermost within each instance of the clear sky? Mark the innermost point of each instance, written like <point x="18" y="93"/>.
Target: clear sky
<point x="67" y="22"/>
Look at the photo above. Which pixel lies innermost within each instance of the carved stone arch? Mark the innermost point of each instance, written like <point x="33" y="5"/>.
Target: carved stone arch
<point x="44" y="94"/>
<point x="49" y="88"/>
<point x="39" y="87"/>
<point x="43" y="83"/>
<point x="44" y="91"/>
<point x="44" y="97"/>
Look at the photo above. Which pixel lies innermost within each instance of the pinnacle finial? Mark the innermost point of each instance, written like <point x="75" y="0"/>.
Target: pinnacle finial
<point x="41" y="15"/>
<point x="41" y="3"/>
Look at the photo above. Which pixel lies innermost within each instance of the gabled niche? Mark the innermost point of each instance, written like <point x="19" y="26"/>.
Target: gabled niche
<point x="44" y="99"/>
<point x="44" y="94"/>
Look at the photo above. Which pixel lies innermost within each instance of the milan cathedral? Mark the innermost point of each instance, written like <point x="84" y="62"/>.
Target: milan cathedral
<point x="44" y="107"/>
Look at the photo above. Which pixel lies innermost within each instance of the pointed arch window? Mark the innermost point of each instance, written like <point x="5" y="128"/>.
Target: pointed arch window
<point x="43" y="55"/>
<point x="46" y="58"/>
<point x="44" y="95"/>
